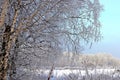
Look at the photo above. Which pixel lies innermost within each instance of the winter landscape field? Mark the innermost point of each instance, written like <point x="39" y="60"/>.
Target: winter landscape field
<point x="74" y="74"/>
<point x="59" y="40"/>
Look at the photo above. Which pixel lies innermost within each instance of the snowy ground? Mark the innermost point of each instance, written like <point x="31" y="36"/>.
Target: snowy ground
<point x="62" y="74"/>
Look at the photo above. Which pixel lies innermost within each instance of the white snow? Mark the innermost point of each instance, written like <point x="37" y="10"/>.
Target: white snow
<point x="66" y="72"/>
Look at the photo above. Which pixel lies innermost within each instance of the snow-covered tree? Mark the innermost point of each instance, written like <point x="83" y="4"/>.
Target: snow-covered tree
<point x="43" y="28"/>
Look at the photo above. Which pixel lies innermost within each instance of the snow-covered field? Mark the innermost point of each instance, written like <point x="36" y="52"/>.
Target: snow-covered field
<point x="63" y="74"/>
<point x="75" y="71"/>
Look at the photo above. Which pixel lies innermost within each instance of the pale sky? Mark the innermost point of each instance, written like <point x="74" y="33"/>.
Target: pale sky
<point x="110" y="20"/>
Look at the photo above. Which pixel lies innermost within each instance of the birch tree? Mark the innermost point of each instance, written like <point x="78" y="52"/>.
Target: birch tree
<point x="49" y="26"/>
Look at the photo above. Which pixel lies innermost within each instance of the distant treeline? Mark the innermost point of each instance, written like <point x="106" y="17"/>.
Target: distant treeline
<point x="99" y="60"/>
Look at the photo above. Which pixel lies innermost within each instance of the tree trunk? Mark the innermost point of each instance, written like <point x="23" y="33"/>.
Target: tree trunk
<point x="5" y="50"/>
<point x="50" y="73"/>
<point x="4" y="12"/>
<point x="13" y="58"/>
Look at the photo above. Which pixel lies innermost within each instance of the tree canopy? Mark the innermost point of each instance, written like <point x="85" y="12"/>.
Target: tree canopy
<point x="43" y="29"/>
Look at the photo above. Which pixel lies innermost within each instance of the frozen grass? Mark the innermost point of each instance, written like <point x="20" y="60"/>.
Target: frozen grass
<point x="67" y="74"/>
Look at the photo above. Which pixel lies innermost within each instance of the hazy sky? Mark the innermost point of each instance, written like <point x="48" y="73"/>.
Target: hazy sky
<point x="110" y="20"/>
